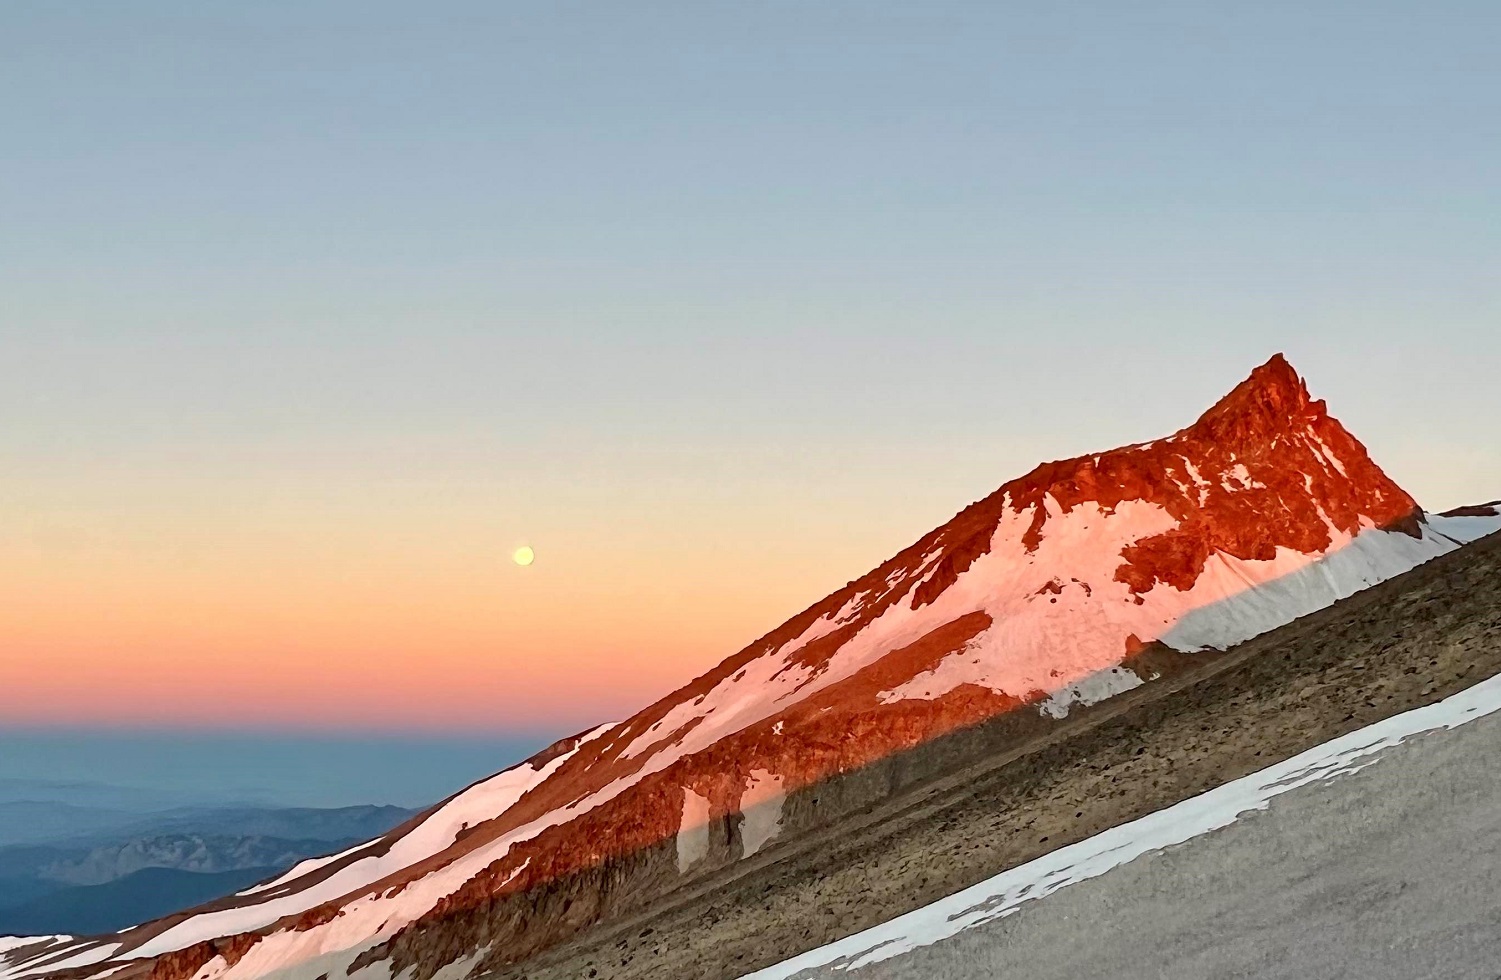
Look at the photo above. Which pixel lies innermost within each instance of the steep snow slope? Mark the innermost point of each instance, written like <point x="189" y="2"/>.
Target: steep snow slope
<point x="1031" y="599"/>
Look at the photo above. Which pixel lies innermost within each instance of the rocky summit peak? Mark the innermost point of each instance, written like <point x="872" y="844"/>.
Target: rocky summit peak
<point x="1271" y="400"/>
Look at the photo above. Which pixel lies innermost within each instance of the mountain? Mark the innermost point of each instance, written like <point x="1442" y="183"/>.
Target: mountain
<point x="1054" y="593"/>
<point x="39" y="821"/>
<point x="192" y="853"/>
<point x="192" y="839"/>
<point x="70" y="827"/>
<point x="1210" y="829"/>
<point x="315" y="823"/>
<point x="58" y="885"/>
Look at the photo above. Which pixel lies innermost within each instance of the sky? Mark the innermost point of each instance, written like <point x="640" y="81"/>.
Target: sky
<point x="311" y="313"/>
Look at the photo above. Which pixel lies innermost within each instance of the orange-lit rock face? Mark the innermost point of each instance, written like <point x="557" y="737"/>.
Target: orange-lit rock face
<point x="1017" y="603"/>
<point x="1261" y="469"/>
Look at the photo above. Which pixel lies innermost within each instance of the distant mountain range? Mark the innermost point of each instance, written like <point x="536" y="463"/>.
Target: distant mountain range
<point x="34" y="821"/>
<point x="44" y="821"/>
<point x="193" y="853"/>
<point x="66" y="868"/>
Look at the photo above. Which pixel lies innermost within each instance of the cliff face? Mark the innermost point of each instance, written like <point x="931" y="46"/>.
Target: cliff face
<point x="1030" y="601"/>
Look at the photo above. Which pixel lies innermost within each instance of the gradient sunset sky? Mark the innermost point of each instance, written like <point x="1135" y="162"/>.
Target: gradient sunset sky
<point x="311" y="313"/>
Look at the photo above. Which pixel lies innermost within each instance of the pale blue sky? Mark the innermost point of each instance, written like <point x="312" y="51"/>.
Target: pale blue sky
<point x="298" y="225"/>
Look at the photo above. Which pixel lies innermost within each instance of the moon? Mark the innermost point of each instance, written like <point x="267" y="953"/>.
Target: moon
<point x="524" y="556"/>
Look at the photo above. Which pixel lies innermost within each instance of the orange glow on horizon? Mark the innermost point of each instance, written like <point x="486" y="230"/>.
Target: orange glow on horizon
<point x="361" y="612"/>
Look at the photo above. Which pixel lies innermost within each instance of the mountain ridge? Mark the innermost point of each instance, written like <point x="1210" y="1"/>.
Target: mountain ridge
<point x="1033" y="598"/>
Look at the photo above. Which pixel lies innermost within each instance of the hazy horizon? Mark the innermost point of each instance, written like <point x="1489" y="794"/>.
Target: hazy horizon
<point x="163" y="769"/>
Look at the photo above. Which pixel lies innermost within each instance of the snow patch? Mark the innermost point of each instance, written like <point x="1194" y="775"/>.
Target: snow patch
<point x="8" y="943"/>
<point x="1202" y="484"/>
<point x="761" y="811"/>
<point x="1241" y="476"/>
<point x="1033" y="645"/>
<point x="19" y="954"/>
<point x="335" y="964"/>
<point x="1327" y="454"/>
<point x="693" y="832"/>
<point x="1240" y="599"/>
<point x="1091" y="690"/>
<point x="461" y="968"/>
<point x="42" y="960"/>
<point x="303" y="868"/>
<point x="1465" y="529"/>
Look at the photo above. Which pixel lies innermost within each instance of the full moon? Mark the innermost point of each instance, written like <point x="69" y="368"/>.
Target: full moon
<point x="524" y="555"/>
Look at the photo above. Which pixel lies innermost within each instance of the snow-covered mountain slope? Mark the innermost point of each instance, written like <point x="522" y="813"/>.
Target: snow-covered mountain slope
<point x="1033" y="599"/>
